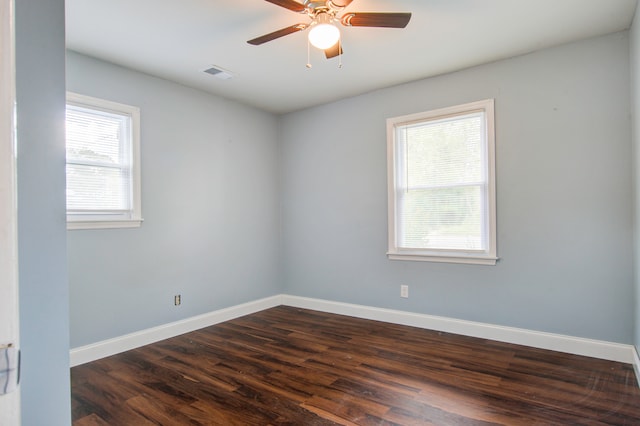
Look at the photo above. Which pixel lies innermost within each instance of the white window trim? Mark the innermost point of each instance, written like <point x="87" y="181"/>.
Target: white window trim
<point x="132" y="219"/>
<point x="480" y="257"/>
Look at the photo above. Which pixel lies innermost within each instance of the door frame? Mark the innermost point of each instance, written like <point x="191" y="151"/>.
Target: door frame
<point x="9" y="330"/>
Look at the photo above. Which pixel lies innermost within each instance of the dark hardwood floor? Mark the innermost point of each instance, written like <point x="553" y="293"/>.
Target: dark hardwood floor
<point x="289" y="366"/>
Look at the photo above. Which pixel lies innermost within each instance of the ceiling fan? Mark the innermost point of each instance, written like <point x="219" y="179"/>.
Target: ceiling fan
<point x="323" y="33"/>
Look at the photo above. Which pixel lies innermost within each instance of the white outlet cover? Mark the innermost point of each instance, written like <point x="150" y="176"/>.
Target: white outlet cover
<point x="404" y="291"/>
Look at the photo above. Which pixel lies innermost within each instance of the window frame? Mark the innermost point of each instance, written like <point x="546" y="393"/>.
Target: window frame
<point x="131" y="218"/>
<point x="487" y="256"/>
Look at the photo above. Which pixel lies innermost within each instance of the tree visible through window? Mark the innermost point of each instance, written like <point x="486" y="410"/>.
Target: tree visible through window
<point x="441" y="185"/>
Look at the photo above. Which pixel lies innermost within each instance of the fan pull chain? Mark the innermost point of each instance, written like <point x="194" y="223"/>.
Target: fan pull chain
<point x="309" y="54"/>
<point x="340" y="53"/>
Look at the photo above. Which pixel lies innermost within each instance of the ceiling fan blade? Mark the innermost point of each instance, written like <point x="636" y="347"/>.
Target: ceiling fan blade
<point x="341" y="3"/>
<point x="289" y="4"/>
<point x="375" y="19"/>
<point x="334" y="51"/>
<point x="277" y="34"/>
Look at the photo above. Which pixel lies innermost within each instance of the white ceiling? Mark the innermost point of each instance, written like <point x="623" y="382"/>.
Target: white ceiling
<point x="178" y="40"/>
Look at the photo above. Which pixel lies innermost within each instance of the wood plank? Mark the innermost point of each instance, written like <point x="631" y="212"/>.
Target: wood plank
<point x="294" y="366"/>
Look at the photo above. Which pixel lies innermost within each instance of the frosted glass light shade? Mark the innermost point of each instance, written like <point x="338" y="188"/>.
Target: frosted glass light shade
<point x="323" y="36"/>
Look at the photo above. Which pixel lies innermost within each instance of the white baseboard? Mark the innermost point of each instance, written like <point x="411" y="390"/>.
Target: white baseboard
<point x="636" y="364"/>
<point x="556" y="342"/>
<point x="105" y="348"/>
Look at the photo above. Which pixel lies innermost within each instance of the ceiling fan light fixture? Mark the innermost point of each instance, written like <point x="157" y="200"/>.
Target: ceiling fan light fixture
<point x="323" y="33"/>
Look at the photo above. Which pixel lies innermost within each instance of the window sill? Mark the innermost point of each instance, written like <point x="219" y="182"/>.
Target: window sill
<point x="443" y="258"/>
<point x="103" y="224"/>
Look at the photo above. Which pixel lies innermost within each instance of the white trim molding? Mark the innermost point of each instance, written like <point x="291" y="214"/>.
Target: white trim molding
<point x="9" y="317"/>
<point x="105" y="348"/>
<point x="537" y="339"/>
<point x="636" y="363"/>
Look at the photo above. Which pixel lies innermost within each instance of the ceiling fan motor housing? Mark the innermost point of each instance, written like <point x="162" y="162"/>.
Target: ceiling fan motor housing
<point x="314" y="8"/>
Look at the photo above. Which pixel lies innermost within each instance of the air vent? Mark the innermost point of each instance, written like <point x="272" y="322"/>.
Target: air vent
<point x="220" y="73"/>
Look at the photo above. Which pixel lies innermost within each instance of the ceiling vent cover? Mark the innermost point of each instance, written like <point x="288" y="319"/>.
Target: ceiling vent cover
<point x="219" y="72"/>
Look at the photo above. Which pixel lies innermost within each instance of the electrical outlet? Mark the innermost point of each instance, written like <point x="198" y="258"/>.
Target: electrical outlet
<point x="404" y="291"/>
<point x="177" y="299"/>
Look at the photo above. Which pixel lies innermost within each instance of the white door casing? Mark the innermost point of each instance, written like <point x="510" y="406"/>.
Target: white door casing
<point x="9" y="332"/>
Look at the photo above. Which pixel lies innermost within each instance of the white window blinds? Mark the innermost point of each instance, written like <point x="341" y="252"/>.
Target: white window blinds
<point x="98" y="161"/>
<point x="443" y="177"/>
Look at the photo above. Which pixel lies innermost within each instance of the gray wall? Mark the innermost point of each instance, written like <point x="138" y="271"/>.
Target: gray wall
<point x="634" y="49"/>
<point x="215" y="172"/>
<point x="44" y="303"/>
<point x="563" y="195"/>
<point x="209" y="202"/>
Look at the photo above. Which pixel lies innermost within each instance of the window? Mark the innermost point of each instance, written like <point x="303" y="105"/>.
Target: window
<point x="441" y="174"/>
<point x="103" y="173"/>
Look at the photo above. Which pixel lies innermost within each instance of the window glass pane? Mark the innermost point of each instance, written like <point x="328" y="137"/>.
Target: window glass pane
<point x="444" y="173"/>
<point x="442" y="218"/>
<point x="97" y="188"/>
<point x="445" y="152"/>
<point x="95" y="136"/>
